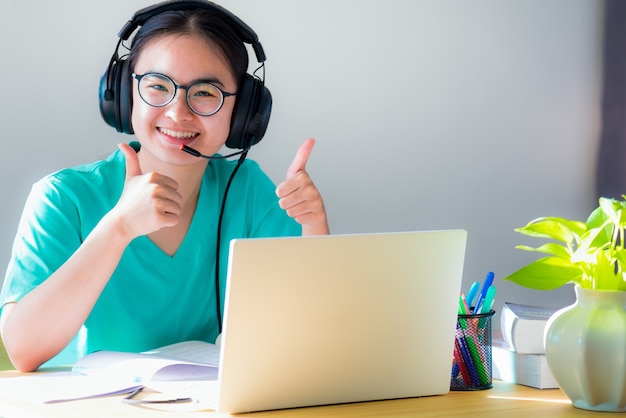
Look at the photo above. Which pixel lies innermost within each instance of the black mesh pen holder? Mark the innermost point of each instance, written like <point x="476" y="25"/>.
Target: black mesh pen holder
<point x="472" y="359"/>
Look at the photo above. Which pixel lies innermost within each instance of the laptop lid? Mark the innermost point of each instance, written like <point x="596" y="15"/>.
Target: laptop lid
<point x="339" y="318"/>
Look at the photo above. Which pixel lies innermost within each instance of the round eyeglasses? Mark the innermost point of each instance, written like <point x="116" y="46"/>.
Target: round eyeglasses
<point x="203" y="98"/>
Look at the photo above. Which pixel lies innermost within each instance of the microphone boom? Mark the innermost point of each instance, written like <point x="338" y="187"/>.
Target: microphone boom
<point x="197" y="153"/>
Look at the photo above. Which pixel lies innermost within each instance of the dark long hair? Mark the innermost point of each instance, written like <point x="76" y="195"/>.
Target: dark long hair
<point x="203" y="23"/>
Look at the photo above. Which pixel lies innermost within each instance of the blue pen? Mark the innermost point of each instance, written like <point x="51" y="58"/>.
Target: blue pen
<point x="483" y="292"/>
<point x="486" y="308"/>
<point x="472" y="293"/>
<point x="467" y="360"/>
<point x="488" y="302"/>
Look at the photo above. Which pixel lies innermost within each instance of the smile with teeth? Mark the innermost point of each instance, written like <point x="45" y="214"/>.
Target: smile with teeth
<point x="178" y="134"/>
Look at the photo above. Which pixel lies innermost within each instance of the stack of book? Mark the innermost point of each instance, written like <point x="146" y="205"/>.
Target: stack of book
<point x="519" y="356"/>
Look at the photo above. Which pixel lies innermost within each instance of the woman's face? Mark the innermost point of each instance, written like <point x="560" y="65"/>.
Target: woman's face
<point x="162" y="130"/>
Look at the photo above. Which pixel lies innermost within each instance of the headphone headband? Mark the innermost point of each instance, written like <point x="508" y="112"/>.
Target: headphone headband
<point x="244" y="31"/>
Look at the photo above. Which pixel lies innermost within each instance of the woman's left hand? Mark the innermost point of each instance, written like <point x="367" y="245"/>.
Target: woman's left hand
<point x="300" y="198"/>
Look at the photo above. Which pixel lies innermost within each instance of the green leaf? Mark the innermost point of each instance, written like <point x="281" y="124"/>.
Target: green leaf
<point x="596" y="218"/>
<point x="546" y="274"/>
<point x="620" y="256"/>
<point x="590" y="254"/>
<point x="560" y="229"/>
<point x="602" y="274"/>
<point x="597" y="237"/>
<point x="614" y="210"/>
<point x="548" y="248"/>
<point x="611" y="208"/>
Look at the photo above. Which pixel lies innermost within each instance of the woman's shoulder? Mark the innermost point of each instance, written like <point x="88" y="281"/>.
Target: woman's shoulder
<point x="99" y="175"/>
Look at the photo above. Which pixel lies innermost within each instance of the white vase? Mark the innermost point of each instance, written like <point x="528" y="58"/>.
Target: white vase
<point x="586" y="350"/>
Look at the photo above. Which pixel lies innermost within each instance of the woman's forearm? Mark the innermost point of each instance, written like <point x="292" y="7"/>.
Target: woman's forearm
<point x="42" y="323"/>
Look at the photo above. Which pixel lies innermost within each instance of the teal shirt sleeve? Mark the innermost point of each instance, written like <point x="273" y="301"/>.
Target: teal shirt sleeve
<point x="59" y="213"/>
<point x="38" y="228"/>
<point x="47" y="236"/>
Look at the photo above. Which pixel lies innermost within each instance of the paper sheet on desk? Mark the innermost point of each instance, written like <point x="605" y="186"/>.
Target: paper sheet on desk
<point x="106" y="373"/>
<point x="52" y="387"/>
<point x="203" y="392"/>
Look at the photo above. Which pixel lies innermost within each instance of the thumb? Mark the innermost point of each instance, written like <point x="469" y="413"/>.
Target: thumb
<point x="302" y="156"/>
<point x="132" y="160"/>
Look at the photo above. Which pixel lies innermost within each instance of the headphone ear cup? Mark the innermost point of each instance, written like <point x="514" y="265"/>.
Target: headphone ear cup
<point x="106" y="97"/>
<point x="251" y="114"/>
<point x="115" y="96"/>
<point x="125" y="98"/>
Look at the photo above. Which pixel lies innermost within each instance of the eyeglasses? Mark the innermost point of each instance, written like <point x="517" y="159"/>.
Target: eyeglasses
<point x="158" y="90"/>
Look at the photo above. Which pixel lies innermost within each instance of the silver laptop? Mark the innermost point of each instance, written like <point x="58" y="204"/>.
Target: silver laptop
<point x="338" y="319"/>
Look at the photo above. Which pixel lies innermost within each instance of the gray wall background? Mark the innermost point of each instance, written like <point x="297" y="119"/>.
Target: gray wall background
<point x="428" y="114"/>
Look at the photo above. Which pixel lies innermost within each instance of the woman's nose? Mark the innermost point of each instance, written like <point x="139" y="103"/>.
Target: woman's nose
<point x="178" y="109"/>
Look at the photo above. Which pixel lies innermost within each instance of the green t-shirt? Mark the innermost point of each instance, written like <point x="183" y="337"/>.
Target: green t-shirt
<point x="152" y="299"/>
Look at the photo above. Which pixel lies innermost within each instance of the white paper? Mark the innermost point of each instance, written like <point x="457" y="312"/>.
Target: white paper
<point x="60" y="386"/>
<point x="187" y="369"/>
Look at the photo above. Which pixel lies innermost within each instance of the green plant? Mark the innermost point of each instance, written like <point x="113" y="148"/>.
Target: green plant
<point x="590" y="254"/>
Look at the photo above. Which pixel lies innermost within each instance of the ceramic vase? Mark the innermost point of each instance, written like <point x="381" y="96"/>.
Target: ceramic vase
<point x="586" y="350"/>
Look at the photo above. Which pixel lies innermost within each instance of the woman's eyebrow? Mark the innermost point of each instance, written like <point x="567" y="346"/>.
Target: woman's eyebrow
<point x="208" y="79"/>
<point x="212" y="80"/>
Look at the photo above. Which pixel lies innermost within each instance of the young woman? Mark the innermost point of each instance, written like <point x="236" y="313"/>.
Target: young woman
<point x="120" y="254"/>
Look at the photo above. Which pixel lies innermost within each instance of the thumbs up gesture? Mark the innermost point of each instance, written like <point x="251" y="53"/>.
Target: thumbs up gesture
<point x="149" y="201"/>
<point x="299" y="197"/>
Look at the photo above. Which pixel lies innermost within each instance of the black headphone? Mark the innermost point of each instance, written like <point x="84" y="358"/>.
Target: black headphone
<point x="253" y="103"/>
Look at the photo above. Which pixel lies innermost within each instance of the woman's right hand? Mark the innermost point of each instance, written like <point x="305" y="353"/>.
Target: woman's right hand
<point x="149" y="201"/>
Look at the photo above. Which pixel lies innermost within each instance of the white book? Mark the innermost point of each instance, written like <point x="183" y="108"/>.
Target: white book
<point x="524" y="369"/>
<point x="180" y="361"/>
<point x="523" y="326"/>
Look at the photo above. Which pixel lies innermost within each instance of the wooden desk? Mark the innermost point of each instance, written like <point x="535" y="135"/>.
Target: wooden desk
<point x="504" y="400"/>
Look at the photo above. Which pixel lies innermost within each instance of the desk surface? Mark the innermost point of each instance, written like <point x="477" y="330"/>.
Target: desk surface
<point x="503" y="400"/>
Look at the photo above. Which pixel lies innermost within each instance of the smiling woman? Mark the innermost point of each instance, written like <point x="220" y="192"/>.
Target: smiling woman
<point x="142" y="236"/>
